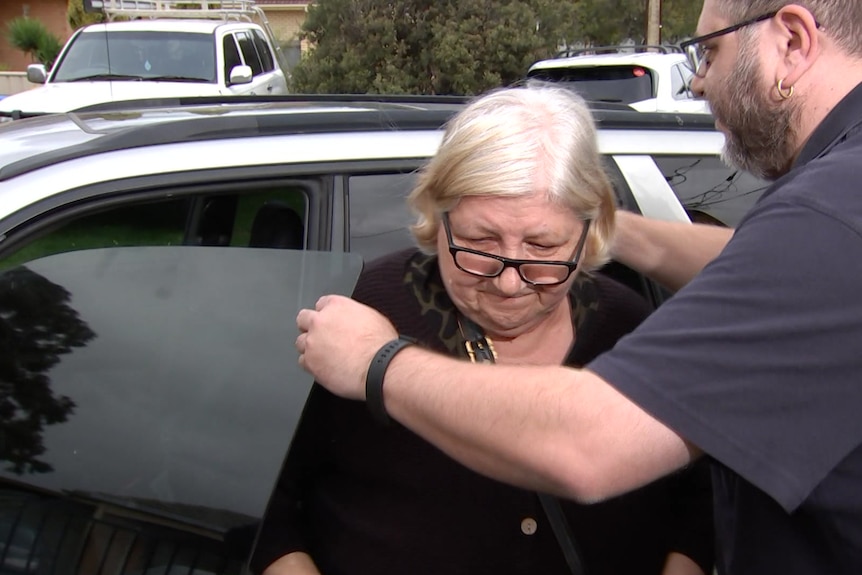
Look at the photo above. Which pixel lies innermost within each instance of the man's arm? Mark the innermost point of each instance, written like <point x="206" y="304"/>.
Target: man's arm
<point x="549" y="428"/>
<point x="671" y="253"/>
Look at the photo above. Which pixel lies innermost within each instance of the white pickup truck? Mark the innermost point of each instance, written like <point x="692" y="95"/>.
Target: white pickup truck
<point x="158" y="48"/>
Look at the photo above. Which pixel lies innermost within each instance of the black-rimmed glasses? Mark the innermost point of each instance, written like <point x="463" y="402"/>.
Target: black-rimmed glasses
<point x="533" y="272"/>
<point x="695" y="52"/>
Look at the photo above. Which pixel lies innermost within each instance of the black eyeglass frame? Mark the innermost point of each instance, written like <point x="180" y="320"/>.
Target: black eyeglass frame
<point x="570" y="265"/>
<point x="689" y="47"/>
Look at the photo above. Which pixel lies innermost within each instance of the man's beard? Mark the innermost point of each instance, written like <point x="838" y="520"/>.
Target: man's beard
<point x="761" y="135"/>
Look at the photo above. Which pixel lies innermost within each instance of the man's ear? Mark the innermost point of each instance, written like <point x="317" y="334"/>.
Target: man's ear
<point x="799" y="42"/>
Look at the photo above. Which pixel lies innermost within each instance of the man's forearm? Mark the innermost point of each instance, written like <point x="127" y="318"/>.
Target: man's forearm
<point x="552" y="429"/>
<point x="671" y="253"/>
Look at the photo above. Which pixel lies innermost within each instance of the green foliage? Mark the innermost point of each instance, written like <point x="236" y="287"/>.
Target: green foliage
<point x="76" y="17"/>
<point x="32" y="37"/>
<point x="609" y="22"/>
<point x="426" y="46"/>
<point x="679" y="19"/>
<point x="25" y="34"/>
<point x="48" y="50"/>
<point x="460" y="46"/>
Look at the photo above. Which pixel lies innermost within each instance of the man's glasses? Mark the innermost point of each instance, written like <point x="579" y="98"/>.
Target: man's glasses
<point x="696" y="53"/>
<point x="533" y="272"/>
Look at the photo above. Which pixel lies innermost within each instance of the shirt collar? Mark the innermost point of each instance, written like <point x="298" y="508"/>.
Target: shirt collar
<point x="843" y="118"/>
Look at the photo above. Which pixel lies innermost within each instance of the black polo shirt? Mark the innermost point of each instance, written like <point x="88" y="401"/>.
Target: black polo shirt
<point x="758" y="361"/>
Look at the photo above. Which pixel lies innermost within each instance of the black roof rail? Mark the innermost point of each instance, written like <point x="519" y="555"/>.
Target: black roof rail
<point x="617" y="119"/>
<point x="222" y="127"/>
<point x="408" y="100"/>
<point x="619" y="49"/>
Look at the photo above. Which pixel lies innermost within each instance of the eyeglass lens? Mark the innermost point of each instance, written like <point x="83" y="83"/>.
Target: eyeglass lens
<point x="538" y="273"/>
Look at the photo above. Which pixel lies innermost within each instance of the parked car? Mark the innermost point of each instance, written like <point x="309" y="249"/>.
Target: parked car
<point x="153" y="256"/>
<point x="169" y="49"/>
<point x="647" y="78"/>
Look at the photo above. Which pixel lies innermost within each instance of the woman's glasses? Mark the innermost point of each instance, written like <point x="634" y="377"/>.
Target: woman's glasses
<point x="533" y="272"/>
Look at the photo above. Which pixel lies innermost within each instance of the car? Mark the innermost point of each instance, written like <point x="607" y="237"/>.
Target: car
<point x="647" y="78"/>
<point x="153" y="257"/>
<point x="154" y="49"/>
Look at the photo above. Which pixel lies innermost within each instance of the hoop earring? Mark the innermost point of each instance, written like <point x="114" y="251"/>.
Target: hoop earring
<point x="784" y="93"/>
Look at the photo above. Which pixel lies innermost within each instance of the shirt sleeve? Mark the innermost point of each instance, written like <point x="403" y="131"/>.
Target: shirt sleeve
<point x="756" y="361"/>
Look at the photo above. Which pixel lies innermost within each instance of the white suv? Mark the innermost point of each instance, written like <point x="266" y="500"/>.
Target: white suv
<point x="647" y="78"/>
<point x="170" y="51"/>
<point x="153" y="258"/>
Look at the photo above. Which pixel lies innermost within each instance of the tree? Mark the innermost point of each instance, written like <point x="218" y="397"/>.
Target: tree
<point x="33" y="38"/>
<point x="76" y="17"/>
<point x="679" y="19"/>
<point x="609" y="22"/>
<point x="37" y="326"/>
<point x="427" y="46"/>
<point x="460" y="46"/>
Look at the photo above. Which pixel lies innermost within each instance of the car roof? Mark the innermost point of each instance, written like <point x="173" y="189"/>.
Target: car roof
<point x="141" y="138"/>
<point x="44" y="140"/>
<point x="27" y="145"/>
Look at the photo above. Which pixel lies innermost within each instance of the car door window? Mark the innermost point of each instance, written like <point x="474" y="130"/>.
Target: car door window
<point x="270" y="217"/>
<point x="263" y="51"/>
<point x="680" y="78"/>
<point x="709" y="189"/>
<point x="249" y="53"/>
<point x="232" y="58"/>
<point x="152" y="390"/>
<point x="379" y="215"/>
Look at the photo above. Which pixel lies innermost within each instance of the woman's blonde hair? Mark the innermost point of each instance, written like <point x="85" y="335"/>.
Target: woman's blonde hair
<point x="505" y="141"/>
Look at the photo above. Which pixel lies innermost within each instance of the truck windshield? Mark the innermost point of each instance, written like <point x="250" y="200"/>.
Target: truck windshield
<point x="138" y="55"/>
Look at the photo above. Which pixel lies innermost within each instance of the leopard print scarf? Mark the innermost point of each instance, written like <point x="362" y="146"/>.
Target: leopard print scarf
<point x="422" y="277"/>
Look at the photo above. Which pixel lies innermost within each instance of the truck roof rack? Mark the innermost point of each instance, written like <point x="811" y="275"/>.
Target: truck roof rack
<point x="245" y="10"/>
<point x="226" y="10"/>
<point x="619" y="49"/>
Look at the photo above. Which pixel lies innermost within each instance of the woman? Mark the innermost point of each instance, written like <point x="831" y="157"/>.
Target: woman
<point x="514" y="213"/>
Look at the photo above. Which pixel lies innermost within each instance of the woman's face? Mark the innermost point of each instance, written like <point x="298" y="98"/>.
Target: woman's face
<point x="529" y="227"/>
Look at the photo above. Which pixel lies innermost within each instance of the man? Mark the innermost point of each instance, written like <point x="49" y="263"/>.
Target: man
<point x="755" y="361"/>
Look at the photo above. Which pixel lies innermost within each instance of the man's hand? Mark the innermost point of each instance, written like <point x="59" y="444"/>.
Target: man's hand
<point x="337" y="341"/>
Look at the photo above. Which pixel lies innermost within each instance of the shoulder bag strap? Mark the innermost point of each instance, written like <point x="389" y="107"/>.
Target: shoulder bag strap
<point x="480" y="349"/>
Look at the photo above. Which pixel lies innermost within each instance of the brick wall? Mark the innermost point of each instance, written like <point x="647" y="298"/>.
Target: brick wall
<point x="285" y="24"/>
<point x="52" y="13"/>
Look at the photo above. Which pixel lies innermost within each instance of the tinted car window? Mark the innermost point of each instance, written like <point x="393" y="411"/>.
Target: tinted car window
<point x="231" y="56"/>
<point x="271" y="217"/>
<point x="379" y="215"/>
<point x="616" y="84"/>
<point x="263" y="51"/>
<point x="249" y="53"/>
<point x="706" y="185"/>
<point x="152" y="402"/>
